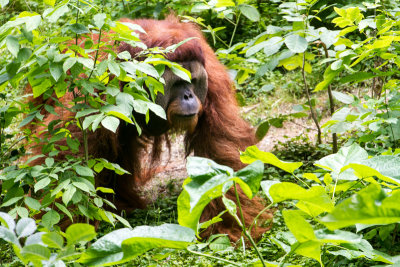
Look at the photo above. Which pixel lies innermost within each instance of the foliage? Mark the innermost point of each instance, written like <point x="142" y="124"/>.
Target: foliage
<point x="329" y="209"/>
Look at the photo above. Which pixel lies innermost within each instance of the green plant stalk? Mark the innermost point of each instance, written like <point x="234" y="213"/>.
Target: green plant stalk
<point x="259" y="214"/>
<point x="234" y="30"/>
<point x="85" y="135"/>
<point x="77" y="18"/>
<point x="313" y="115"/>
<point x="387" y="110"/>
<point x="212" y="257"/>
<point x="245" y="232"/>
<point x="331" y="104"/>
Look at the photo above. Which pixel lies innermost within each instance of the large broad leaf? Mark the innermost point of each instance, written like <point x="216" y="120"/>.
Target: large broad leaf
<point x="7" y="220"/>
<point x="310" y="241"/>
<point x="298" y="225"/>
<point x="369" y="206"/>
<point x="3" y="3"/>
<point x="345" y="156"/>
<point x="124" y="244"/>
<point x="310" y="249"/>
<point x="386" y="165"/>
<point x="252" y="175"/>
<point x="35" y="252"/>
<point x="79" y="232"/>
<point x="252" y="154"/>
<point x="366" y="172"/>
<point x="296" y="43"/>
<point x="25" y="227"/>
<point x="313" y="201"/>
<point x="271" y="46"/>
<point x="250" y="12"/>
<point x="209" y="180"/>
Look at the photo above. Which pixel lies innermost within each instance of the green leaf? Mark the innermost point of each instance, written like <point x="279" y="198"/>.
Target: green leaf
<point x="296" y="43"/>
<point x="11" y="201"/>
<point x="345" y="156"/>
<point x="82" y="186"/>
<point x="35" y="252"/>
<point x="220" y="244"/>
<point x="79" y="232"/>
<point x="110" y="123"/>
<point x="3" y="3"/>
<point x="83" y="171"/>
<point x="337" y="236"/>
<point x="205" y="183"/>
<point x="131" y="68"/>
<point x="124" y="244"/>
<point x="56" y="70"/>
<point x="68" y="194"/>
<point x="383" y="42"/>
<point x="157" y="109"/>
<point x="310" y="249"/>
<point x="53" y="240"/>
<point x="224" y="3"/>
<point x="12" y="45"/>
<point x="344" y="98"/>
<point x="50" y="2"/>
<point x="329" y="76"/>
<point x="114" y="68"/>
<point x="252" y="175"/>
<point x="62" y="208"/>
<point x="25" y="227"/>
<point x="8" y="235"/>
<point x="41" y="88"/>
<point x="42" y="184"/>
<point x="262" y="130"/>
<point x="271" y="46"/>
<point x="181" y="72"/>
<point x="49" y="162"/>
<point x="7" y="220"/>
<point x="78" y="28"/>
<point x="249" y="12"/>
<point x="313" y="201"/>
<point x="69" y="63"/>
<point x="32" y="203"/>
<point x="371" y="205"/>
<point x="24" y="54"/>
<point x="230" y="206"/>
<point x="209" y="180"/>
<point x="99" y="20"/>
<point x="50" y="218"/>
<point x="105" y="190"/>
<point x="252" y="154"/>
<point x="359" y="76"/>
<point x="386" y="165"/>
<point x="298" y="225"/>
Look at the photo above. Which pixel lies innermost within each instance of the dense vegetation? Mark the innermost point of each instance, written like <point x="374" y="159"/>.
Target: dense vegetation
<point x="335" y="199"/>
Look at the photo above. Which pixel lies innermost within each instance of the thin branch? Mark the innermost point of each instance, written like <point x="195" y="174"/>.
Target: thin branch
<point x="331" y="103"/>
<point x="313" y="115"/>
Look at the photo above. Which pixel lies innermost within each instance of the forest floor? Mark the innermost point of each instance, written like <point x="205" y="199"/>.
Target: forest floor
<point x="172" y="167"/>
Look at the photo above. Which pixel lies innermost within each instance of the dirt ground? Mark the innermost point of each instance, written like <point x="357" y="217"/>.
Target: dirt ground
<point x="173" y="164"/>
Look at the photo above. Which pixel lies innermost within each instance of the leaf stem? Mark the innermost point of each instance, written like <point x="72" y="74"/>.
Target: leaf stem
<point x="234" y="30"/>
<point x="259" y="214"/>
<point x="245" y="232"/>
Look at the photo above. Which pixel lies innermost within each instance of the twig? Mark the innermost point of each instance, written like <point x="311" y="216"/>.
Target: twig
<point x="313" y="115"/>
<point x="331" y="103"/>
